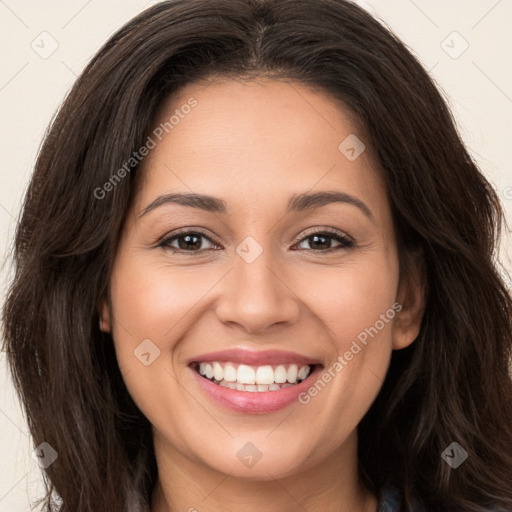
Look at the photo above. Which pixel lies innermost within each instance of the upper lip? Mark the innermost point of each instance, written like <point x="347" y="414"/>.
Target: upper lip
<point x="255" y="358"/>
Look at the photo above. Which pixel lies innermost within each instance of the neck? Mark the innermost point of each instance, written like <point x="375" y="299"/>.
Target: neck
<point x="331" y="486"/>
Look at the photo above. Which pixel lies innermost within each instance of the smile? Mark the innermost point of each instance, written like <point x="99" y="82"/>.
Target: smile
<point x="242" y="377"/>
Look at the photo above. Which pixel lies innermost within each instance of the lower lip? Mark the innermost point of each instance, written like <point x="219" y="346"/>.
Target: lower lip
<point x="258" y="402"/>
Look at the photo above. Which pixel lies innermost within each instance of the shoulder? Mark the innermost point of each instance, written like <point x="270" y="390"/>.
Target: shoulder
<point x="390" y="501"/>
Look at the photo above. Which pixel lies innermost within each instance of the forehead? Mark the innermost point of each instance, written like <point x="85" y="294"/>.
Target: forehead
<point x="254" y="141"/>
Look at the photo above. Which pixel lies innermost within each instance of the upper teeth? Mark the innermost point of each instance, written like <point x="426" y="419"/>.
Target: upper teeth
<point x="244" y="374"/>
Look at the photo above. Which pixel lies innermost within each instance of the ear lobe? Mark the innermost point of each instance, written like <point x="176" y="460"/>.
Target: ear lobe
<point x="411" y="296"/>
<point x="104" y="313"/>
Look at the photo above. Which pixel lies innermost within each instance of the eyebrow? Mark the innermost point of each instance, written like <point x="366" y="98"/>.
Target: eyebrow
<point x="297" y="203"/>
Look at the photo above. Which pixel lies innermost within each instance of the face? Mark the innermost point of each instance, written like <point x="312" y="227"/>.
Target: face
<point x="260" y="285"/>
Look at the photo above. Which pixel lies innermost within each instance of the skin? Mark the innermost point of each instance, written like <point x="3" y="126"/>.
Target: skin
<point x="255" y="144"/>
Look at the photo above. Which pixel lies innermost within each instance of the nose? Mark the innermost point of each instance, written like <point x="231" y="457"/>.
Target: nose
<point x="256" y="296"/>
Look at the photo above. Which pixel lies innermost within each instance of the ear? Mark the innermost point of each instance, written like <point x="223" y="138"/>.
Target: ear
<point x="104" y="313"/>
<point x="411" y="297"/>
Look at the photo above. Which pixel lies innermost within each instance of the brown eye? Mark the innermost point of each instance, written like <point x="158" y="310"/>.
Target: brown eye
<point x="186" y="241"/>
<point x="191" y="242"/>
<point x="322" y="240"/>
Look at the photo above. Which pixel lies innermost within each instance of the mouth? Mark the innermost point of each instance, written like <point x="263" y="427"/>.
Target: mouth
<point x="251" y="378"/>
<point x="254" y="389"/>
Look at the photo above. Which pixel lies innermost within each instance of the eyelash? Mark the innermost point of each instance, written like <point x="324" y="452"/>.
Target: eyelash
<point x="344" y="240"/>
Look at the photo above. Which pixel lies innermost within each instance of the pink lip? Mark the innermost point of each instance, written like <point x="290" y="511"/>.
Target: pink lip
<point x="255" y="358"/>
<point x="254" y="402"/>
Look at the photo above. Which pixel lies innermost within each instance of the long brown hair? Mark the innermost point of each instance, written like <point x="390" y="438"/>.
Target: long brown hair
<point x="452" y="384"/>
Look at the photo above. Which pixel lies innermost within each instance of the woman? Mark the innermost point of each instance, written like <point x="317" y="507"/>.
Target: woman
<point x="254" y="270"/>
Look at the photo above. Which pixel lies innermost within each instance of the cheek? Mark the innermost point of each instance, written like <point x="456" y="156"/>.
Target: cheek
<point x="158" y="303"/>
<point x="153" y="309"/>
<point x="150" y="301"/>
<point x="351" y="298"/>
<point x="342" y="303"/>
<point x="358" y="305"/>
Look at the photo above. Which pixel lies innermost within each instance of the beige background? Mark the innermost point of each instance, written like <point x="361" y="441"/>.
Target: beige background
<point x="477" y="83"/>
